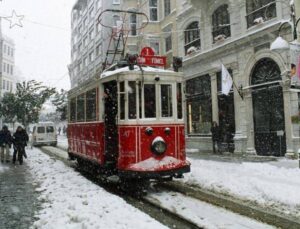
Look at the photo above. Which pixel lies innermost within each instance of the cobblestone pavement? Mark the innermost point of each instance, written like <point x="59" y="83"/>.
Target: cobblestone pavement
<point x="18" y="200"/>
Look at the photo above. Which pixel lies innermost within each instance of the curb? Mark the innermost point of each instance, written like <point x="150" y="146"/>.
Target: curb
<point x="237" y="206"/>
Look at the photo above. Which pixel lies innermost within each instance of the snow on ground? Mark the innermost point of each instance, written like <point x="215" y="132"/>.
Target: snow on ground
<point x="62" y="141"/>
<point x="264" y="183"/>
<point x="3" y="167"/>
<point x="71" y="201"/>
<point x="203" y="214"/>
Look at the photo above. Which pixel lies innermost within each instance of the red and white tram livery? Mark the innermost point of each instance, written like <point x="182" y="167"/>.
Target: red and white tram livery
<point x="130" y="122"/>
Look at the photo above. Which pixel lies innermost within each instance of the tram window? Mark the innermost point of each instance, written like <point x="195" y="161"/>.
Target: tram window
<point x="80" y="108"/>
<point x="149" y="99"/>
<point x="91" y="105"/>
<point x="179" y="101"/>
<point x="140" y="99"/>
<point x="73" y="110"/>
<point x="131" y="100"/>
<point x="122" y="100"/>
<point x="166" y="101"/>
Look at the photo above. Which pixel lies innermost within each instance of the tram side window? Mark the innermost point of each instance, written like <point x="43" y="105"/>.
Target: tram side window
<point x="73" y="110"/>
<point x="131" y="100"/>
<point x="122" y="100"/>
<point x="179" y="101"/>
<point x="166" y="101"/>
<point x="91" y="105"/>
<point x="149" y="99"/>
<point x="80" y="108"/>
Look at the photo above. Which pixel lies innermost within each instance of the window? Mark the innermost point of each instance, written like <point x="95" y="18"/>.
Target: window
<point x="199" y="105"/>
<point x="221" y="23"/>
<point x="72" y="110"/>
<point x="7" y="85"/>
<point x="80" y="107"/>
<point x="91" y="57"/>
<point x="11" y="86"/>
<point x="122" y="100"/>
<point x="168" y="42"/>
<point x="3" y="84"/>
<point x="167" y="7"/>
<point x="11" y="70"/>
<point x="192" y="36"/>
<point x="91" y="105"/>
<point x="149" y="100"/>
<point x="153" y="10"/>
<point x="116" y="2"/>
<point x="12" y="52"/>
<point x="4" y="67"/>
<point x="260" y="9"/>
<point x="8" y="50"/>
<point x="132" y="100"/>
<point x="41" y="129"/>
<point x="49" y="129"/>
<point x="155" y="46"/>
<point x="133" y="24"/>
<point x="4" y="48"/>
<point x="179" y="101"/>
<point x="166" y="101"/>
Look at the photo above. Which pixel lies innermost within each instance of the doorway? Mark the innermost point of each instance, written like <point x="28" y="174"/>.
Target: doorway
<point x="268" y="109"/>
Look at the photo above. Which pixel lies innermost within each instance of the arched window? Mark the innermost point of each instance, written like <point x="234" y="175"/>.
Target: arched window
<point x="221" y="23"/>
<point x="259" y="11"/>
<point x="192" y="36"/>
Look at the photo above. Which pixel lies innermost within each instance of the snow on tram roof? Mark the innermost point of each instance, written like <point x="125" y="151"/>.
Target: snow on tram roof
<point x="136" y="69"/>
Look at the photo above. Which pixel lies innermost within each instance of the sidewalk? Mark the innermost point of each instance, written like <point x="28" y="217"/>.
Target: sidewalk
<point x="18" y="199"/>
<point x="272" y="183"/>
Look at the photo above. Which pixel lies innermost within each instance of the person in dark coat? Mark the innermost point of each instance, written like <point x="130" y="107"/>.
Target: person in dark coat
<point x="20" y="139"/>
<point x="215" y="133"/>
<point x="5" y="143"/>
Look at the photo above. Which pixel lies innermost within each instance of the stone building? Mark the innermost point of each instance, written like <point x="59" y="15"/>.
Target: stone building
<point x="261" y="113"/>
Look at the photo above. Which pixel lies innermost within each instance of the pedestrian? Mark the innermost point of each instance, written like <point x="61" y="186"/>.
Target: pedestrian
<point x="5" y="144"/>
<point x="59" y="129"/>
<point x="64" y="130"/>
<point x="215" y="133"/>
<point x="20" y="139"/>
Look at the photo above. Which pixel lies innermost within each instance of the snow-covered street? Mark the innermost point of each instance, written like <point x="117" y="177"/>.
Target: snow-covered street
<point x="71" y="201"/>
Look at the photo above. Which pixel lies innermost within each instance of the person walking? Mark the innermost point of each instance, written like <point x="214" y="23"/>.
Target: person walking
<point x="64" y="130"/>
<point x="20" y="139"/>
<point x="59" y="129"/>
<point x="5" y="143"/>
<point x="215" y="133"/>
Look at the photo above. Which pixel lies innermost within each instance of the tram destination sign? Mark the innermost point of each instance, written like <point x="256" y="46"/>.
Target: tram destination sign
<point x="147" y="57"/>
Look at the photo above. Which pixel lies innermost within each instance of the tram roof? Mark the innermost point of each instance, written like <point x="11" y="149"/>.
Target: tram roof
<point x="136" y="69"/>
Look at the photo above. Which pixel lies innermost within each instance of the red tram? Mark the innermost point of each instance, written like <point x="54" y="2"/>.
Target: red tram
<point x="130" y="123"/>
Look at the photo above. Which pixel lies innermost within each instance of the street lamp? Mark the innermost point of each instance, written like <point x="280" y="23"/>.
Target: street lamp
<point x="280" y="44"/>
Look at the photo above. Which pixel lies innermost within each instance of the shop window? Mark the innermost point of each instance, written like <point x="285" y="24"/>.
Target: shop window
<point x="192" y="36"/>
<point x="80" y="108"/>
<point x="91" y="105"/>
<point x="149" y="100"/>
<point x="221" y="23"/>
<point x="166" y="101"/>
<point x="259" y="11"/>
<point x="132" y="100"/>
<point x="199" y="105"/>
<point x="72" y="110"/>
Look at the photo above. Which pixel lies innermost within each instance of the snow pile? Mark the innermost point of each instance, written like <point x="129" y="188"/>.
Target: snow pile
<point x="71" y="201"/>
<point x="62" y="141"/>
<point x="152" y="164"/>
<point x="263" y="183"/>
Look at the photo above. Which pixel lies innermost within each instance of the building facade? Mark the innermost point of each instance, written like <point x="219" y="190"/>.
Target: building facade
<point x="261" y="113"/>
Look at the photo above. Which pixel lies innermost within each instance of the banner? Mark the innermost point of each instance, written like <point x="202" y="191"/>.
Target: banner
<point x="226" y="81"/>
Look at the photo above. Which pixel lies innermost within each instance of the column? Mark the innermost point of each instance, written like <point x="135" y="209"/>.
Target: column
<point x="249" y="120"/>
<point x="214" y="97"/>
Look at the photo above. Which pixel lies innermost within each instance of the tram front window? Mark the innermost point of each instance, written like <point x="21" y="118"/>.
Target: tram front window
<point x="149" y="99"/>
<point x="131" y="100"/>
<point x="166" y="101"/>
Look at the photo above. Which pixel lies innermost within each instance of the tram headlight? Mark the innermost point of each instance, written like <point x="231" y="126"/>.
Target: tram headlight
<point x="158" y="146"/>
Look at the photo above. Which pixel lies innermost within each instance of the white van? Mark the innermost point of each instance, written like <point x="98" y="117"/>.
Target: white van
<point x="44" y="133"/>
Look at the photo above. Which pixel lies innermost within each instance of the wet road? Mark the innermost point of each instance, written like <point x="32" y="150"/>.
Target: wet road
<point x="18" y="200"/>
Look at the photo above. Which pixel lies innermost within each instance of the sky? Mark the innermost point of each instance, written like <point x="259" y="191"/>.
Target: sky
<point x="43" y="43"/>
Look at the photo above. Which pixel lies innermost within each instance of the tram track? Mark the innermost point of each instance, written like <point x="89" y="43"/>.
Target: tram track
<point x="155" y="210"/>
<point x="171" y="218"/>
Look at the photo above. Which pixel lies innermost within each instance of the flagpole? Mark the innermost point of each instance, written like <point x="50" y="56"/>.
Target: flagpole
<point x="238" y="90"/>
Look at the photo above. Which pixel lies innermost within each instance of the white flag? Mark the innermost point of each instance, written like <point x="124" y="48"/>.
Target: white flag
<point x="226" y="81"/>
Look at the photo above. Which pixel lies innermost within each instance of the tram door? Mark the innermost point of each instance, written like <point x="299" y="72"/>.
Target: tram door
<point x="110" y="120"/>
